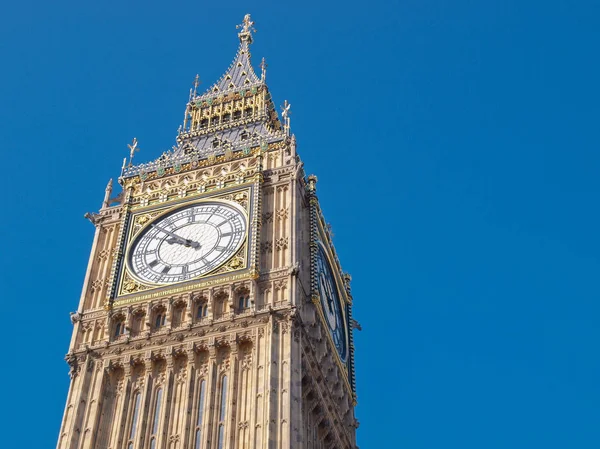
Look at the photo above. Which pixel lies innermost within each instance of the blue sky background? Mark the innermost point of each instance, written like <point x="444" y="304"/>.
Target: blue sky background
<point x="456" y="145"/>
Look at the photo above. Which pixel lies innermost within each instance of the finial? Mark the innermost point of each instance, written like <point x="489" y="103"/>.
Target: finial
<point x="107" y="193"/>
<point x="285" y="114"/>
<point x="263" y="66"/>
<point x="133" y="147"/>
<point x="196" y="84"/>
<point x="247" y="27"/>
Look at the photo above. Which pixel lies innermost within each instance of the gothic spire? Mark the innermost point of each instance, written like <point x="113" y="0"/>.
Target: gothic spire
<point x="235" y="114"/>
<point x="240" y="74"/>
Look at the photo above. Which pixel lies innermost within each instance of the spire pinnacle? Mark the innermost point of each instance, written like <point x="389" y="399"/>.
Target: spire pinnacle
<point x="196" y="84"/>
<point x="247" y="27"/>
<point x="263" y="67"/>
<point x="285" y="114"/>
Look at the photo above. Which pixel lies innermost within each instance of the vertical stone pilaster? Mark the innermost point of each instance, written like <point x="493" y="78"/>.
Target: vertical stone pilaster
<point x="94" y="407"/>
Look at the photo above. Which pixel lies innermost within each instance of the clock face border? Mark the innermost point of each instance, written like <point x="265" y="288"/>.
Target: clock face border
<point x="320" y="239"/>
<point x="135" y="237"/>
<point x="132" y="229"/>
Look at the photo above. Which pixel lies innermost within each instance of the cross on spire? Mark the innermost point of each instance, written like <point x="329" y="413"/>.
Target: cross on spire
<point x="247" y="27"/>
<point x="133" y="147"/>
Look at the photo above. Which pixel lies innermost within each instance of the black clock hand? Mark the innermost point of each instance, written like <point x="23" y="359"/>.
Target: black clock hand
<point x="177" y="239"/>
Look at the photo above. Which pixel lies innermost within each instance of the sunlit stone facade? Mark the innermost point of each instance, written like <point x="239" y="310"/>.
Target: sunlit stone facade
<point x="214" y="312"/>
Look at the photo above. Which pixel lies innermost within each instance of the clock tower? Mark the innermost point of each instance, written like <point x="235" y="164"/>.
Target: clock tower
<point x="214" y="311"/>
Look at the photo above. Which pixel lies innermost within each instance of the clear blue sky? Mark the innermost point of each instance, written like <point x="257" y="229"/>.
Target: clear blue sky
<point x="457" y="149"/>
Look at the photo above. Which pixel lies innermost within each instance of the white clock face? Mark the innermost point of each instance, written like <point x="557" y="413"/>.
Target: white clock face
<point x="188" y="242"/>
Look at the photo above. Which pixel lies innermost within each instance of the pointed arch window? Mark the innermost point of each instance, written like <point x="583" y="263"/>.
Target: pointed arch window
<point x="202" y="311"/>
<point x="222" y="414"/>
<point x="134" y="419"/>
<point x="160" y="320"/>
<point x="119" y="328"/>
<point x="155" y="420"/>
<point x="201" y="394"/>
<point x="244" y="302"/>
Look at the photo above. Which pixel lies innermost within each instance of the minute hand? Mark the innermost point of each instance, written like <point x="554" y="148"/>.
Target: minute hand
<point x="177" y="239"/>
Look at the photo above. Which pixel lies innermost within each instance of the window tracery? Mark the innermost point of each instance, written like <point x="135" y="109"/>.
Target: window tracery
<point x="222" y="413"/>
<point x="155" y="420"/>
<point x="200" y="416"/>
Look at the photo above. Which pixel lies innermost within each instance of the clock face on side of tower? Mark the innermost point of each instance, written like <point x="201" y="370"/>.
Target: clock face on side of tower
<point x="331" y="303"/>
<point x="187" y="242"/>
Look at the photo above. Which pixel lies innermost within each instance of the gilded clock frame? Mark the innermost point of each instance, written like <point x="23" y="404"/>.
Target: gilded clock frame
<point x="136" y="221"/>
<point x="167" y="211"/>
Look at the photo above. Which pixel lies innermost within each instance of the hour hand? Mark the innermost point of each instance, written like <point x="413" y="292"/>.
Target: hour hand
<point x="185" y="242"/>
<point x="174" y="238"/>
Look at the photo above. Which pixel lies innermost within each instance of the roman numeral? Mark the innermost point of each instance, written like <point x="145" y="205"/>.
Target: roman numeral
<point x="153" y="263"/>
<point x="191" y="216"/>
<point x="166" y="269"/>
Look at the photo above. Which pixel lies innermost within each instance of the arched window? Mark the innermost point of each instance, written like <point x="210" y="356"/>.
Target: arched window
<point x="202" y="310"/>
<point x="237" y="115"/>
<point x="226" y="118"/>
<point x="247" y="112"/>
<point x="134" y="419"/>
<point x="204" y="123"/>
<point x="160" y="319"/>
<point x="201" y="395"/>
<point x="119" y="328"/>
<point x="244" y="302"/>
<point x="156" y="419"/>
<point x="222" y="414"/>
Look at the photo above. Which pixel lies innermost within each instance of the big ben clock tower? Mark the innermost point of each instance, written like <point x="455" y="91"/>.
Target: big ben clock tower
<point x="214" y="312"/>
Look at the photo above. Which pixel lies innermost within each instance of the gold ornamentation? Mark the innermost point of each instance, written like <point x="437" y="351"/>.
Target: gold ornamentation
<point x="236" y="263"/>
<point x="130" y="285"/>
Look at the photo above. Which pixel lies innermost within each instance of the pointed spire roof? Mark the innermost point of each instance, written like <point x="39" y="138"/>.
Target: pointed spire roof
<point x="240" y="74"/>
<point x="236" y="114"/>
